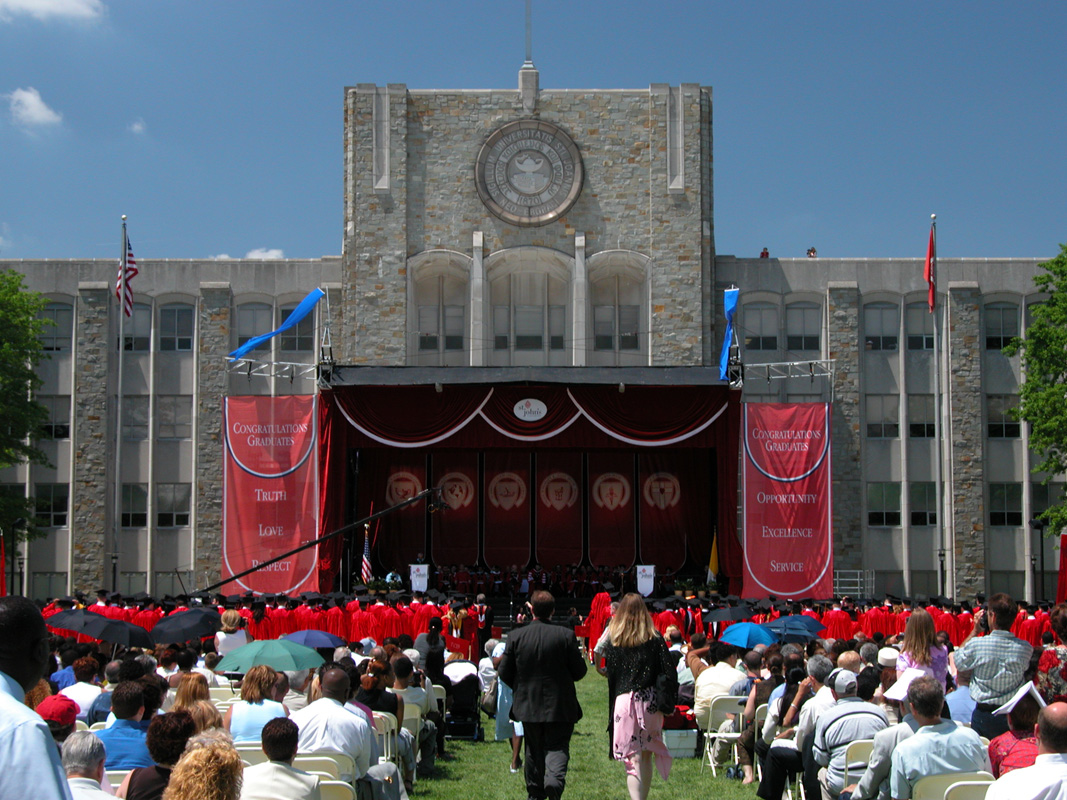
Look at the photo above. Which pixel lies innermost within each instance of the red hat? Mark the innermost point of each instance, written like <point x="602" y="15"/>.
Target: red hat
<point x="58" y="708"/>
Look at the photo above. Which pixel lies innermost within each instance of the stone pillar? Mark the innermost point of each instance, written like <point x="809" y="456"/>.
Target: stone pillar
<point x="965" y="437"/>
<point x="91" y="527"/>
<point x="478" y="333"/>
<point x="215" y="325"/>
<point x="842" y="339"/>
<point x="579" y="304"/>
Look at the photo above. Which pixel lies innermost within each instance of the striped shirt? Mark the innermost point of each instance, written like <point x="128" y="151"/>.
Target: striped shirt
<point x="849" y="720"/>
<point x="999" y="661"/>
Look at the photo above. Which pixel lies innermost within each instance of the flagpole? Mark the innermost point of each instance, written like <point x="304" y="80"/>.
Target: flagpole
<point x="939" y="455"/>
<point x="118" y="414"/>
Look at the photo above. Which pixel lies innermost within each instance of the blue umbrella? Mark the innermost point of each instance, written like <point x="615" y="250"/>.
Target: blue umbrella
<point x="794" y="629"/>
<point x="314" y="638"/>
<point x="748" y="635"/>
<point x="797" y="620"/>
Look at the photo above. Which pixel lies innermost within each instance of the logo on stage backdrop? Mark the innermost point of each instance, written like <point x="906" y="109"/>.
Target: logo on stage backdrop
<point x="507" y="491"/>
<point x="530" y="410"/>
<point x="402" y="486"/>
<point x="559" y="491"/>
<point x="457" y="490"/>
<point x="611" y="490"/>
<point x="787" y="541"/>
<point x="662" y="490"/>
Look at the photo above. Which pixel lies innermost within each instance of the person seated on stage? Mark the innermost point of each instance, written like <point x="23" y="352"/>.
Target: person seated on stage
<point x="277" y="777"/>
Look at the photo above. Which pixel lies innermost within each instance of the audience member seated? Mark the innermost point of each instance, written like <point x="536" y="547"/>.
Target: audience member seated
<point x="85" y="688"/>
<point x="101" y="706"/>
<point x="417" y="697"/>
<point x="166" y="739"/>
<point x="714" y="681"/>
<point x="205" y="715"/>
<point x="959" y="701"/>
<point x="1047" y="778"/>
<point x="1018" y="747"/>
<point x="209" y="769"/>
<point x="849" y="720"/>
<point x="245" y="718"/>
<point x="125" y="739"/>
<point x="278" y="779"/>
<point x="61" y="714"/>
<point x="83" y="761"/>
<point x="296" y="698"/>
<point x="937" y="747"/>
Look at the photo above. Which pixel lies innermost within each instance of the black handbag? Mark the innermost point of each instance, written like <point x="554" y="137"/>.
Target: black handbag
<point x="664" y="694"/>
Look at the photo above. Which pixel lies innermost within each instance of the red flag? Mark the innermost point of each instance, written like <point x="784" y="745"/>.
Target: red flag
<point x="930" y="273"/>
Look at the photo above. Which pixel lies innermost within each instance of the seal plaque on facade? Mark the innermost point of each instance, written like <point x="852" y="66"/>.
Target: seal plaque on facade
<point x="529" y="172"/>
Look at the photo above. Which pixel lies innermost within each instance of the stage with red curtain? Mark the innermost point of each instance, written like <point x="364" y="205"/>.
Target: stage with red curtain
<point x="589" y="475"/>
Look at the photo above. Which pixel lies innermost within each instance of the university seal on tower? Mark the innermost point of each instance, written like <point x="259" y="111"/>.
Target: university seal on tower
<point x="529" y="172"/>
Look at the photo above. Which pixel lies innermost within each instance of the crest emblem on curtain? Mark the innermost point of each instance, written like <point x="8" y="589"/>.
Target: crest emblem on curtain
<point x="507" y="491"/>
<point x="401" y="486"/>
<point x="457" y="489"/>
<point x="662" y="490"/>
<point x="611" y="490"/>
<point x="559" y="491"/>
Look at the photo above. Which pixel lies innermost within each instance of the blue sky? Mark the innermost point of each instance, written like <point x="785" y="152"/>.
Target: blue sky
<point x="217" y="126"/>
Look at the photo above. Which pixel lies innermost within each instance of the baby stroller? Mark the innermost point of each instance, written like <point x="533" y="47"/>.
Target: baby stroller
<point x="464" y="717"/>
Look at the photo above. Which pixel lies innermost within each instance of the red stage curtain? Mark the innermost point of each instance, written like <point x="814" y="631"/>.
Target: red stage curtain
<point x="389" y="477"/>
<point x="559" y="508"/>
<point x="650" y="413"/>
<point x="507" y="508"/>
<point x="333" y="430"/>
<point x="611" y="509"/>
<point x="455" y="530"/>
<point x="674" y="501"/>
<point x="409" y="414"/>
<point x="727" y="451"/>
<point x="500" y="410"/>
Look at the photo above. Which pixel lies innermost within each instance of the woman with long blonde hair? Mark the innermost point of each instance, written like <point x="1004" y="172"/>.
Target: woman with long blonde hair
<point x="920" y="649"/>
<point x="191" y="687"/>
<point x="209" y="769"/>
<point x="639" y="672"/>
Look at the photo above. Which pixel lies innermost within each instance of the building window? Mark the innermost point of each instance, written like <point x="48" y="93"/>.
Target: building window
<point x="883" y="416"/>
<point x="48" y="585"/>
<point x="56" y="338"/>
<point x="883" y="505"/>
<point x="1000" y="424"/>
<point x="1001" y="325"/>
<point x="880" y="327"/>
<point x="137" y="330"/>
<point x="1045" y="495"/>
<point x="616" y="314"/>
<point x="135" y="417"/>
<point x="920" y="327"/>
<point x="57" y="425"/>
<point x="175" y="415"/>
<point x="529" y="327"/>
<point x="922" y="502"/>
<point x="172" y="504"/>
<point x="254" y="319"/>
<point x="53" y="501"/>
<point x="1006" y="504"/>
<point x="760" y="326"/>
<point x="134" y="505"/>
<point x="301" y="337"/>
<point x="529" y="311"/>
<point x="441" y="312"/>
<point x="921" y="416"/>
<point x="176" y="328"/>
<point x="803" y="325"/>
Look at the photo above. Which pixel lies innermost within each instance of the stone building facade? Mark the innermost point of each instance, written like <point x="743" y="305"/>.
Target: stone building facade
<point x="619" y="272"/>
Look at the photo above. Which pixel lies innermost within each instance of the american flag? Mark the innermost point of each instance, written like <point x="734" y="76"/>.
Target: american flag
<point x="129" y="264"/>
<point x="367" y="573"/>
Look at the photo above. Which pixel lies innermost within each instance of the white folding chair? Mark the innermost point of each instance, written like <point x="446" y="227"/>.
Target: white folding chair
<point x="98" y="726"/>
<point x="857" y="754"/>
<point x="318" y="762"/>
<point x="967" y="790"/>
<point x="336" y="790"/>
<point x="412" y="720"/>
<point x="81" y="725"/>
<point x="933" y="787"/>
<point x="385" y="726"/>
<point x="719" y="711"/>
<point x="116" y="776"/>
<point x="251" y="753"/>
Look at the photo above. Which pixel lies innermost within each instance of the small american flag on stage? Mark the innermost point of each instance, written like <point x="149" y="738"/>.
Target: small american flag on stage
<point x="366" y="572"/>
<point x="127" y="264"/>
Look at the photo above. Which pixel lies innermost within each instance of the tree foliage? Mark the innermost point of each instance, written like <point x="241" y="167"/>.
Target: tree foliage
<point x="21" y="417"/>
<point x="1043" y="394"/>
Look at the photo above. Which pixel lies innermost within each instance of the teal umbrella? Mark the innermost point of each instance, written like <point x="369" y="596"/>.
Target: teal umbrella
<point x="278" y="653"/>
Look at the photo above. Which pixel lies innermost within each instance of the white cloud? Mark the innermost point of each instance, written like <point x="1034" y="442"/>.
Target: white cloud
<point x="137" y="127"/>
<point x="222" y="257"/>
<point x="265" y="253"/>
<point x="28" y="110"/>
<point x="51" y="9"/>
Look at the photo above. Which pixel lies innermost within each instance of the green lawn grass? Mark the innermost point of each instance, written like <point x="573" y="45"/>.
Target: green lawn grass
<point x="480" y="770"/>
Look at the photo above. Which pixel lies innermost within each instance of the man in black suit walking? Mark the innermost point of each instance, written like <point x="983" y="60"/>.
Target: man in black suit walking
<point x="541" y="663"/>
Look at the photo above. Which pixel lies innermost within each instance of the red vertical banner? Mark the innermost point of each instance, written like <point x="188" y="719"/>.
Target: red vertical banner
<point x="611" y="509"/>
<point x="559" y="508"/>
<point x="507" y="508"/>
<point x="674" y="503"/>
<point x="398" y="537"/>
<point x="270" y="492"/>
<point x="788" y="546"/>
<point x="455" y="529"/>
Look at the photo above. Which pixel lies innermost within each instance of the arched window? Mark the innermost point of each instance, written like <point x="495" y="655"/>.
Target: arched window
<point x="759" y="322"/>
<point x="881" y="328"/>
<point x="254" y="319"/>
<point x="137" y="330"/>
<point x="56" y="337"/>
<point x="301" y="337"/>
<point x="1001" y="325"/>
<point x="176" y="328"/>
<point x="439" y="313"/>
<point x="803" y="327"/>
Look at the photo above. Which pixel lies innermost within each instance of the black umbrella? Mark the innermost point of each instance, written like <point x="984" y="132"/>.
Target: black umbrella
<point x="116" y="631"/>
<point x="196" y="623"/>
<point x="730" y="613"/>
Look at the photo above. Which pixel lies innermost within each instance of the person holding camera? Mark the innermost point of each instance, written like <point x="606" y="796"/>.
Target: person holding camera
<point x="998" y="662"/>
